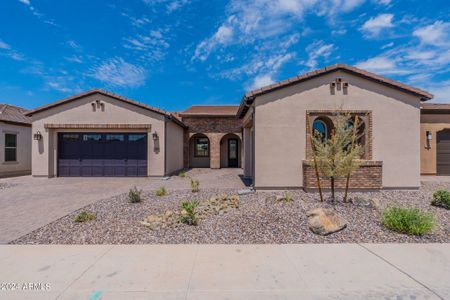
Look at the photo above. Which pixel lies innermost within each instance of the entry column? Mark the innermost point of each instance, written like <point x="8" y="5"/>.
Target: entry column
<point x="214" y="153"/>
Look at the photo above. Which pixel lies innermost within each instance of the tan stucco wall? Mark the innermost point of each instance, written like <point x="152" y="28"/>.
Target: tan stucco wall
<point x="428" y="155"/>
<point x="280" y="129"/>
<point x="23" y="163"/>
<point x="174" y="147"/>
<point x="44" y="152"/>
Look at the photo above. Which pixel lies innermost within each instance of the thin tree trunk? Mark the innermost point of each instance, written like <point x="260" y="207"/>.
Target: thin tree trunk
<point x="314" y="158"/>
<point x="332" y="188"/>
<point x="347" y="183"/>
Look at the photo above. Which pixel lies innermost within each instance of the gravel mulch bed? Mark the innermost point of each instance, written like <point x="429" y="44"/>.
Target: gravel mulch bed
<point x="259" y="219"/>
<point x="5" y="185"/>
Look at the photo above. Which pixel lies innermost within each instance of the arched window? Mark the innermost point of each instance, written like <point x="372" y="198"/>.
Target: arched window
<point x="360" y="133"/>
<point x="320" y="128"/>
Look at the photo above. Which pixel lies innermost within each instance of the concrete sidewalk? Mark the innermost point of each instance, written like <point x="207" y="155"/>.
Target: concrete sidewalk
<point x="323" y="271"/>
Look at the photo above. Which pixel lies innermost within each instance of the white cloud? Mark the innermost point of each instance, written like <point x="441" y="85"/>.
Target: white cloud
<point x="261" y="80"/>
<point x="388" y="45"/>
<point x="26" y="2"/>
<point x="170" y="5"/>
<point x="382" y="2"/>
<point x="375" y="25"/>
<point x="248" y="22"/>
<point x="151" y="47"/>
<point x="119" y="73"/>
<point x="437" y="34"/>
<point x="4" y="45"/>
<point x="317" y="50"/>
<point x="382" y="65"/>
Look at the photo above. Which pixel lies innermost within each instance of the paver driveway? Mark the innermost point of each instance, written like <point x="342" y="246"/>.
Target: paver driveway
<point x="27" y="203"/>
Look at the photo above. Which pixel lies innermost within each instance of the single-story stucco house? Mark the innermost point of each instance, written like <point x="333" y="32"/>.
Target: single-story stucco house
<point x="98" y="133"/>
<point x="15" y="141"/>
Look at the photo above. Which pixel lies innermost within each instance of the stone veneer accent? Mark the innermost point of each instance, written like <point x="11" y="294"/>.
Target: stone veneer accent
<point x="366" y="116"/>
<point x="214" y="128"/>
<point x="368" y="176"/>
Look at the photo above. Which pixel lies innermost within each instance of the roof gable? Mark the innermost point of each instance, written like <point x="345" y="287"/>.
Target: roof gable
<point x="108" y="94"/>
<point x="250" y="96"/>
<point x="13" y="114"/>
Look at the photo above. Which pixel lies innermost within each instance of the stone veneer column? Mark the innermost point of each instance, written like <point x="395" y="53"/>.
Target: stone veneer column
<point x="214" y="151"/>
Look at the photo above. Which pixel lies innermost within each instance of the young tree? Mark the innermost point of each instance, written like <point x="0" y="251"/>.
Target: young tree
<point x="338" y="155"/>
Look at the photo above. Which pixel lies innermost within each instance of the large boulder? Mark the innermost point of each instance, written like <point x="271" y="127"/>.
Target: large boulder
<point x="324" y="221"/>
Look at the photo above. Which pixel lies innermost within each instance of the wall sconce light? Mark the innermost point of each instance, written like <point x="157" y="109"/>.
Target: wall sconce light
<point x="37" y="136"/>
<point x="429" y="136"/>
<point x="155" y="136"/>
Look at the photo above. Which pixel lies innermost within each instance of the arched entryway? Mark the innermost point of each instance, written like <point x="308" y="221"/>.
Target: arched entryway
<point x="199" y="151"/>
<point x="230" y="151"/>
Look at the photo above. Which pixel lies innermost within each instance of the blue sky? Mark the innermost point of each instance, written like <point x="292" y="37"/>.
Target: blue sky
<point x="175" y="53"/>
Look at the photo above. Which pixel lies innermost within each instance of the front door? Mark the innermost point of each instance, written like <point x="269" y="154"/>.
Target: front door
<point x="233" y="153"/>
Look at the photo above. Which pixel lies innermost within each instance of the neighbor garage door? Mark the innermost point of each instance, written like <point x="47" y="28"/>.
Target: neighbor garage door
<point x="443" y="152"/>
<point x="102" y="154"/>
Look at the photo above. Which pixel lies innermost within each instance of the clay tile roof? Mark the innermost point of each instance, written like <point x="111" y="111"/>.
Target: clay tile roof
<point x="14" y="114"/>
<point x="112" y="95"/>
<point x="435" y="106"/>
<point x="211" y="110"/>
<point x="248" y="98"/>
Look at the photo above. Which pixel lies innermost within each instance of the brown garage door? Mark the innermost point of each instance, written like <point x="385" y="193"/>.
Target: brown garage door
<point x="443" y="152"/>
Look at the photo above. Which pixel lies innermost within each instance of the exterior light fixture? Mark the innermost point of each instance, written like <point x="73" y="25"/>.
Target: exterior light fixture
<point x="37" y="136"/>
<point x="429" y="136"/>
<point x="155" y="136"/>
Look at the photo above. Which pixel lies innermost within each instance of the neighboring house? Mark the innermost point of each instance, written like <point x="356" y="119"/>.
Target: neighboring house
<point x="213" y="139"/>
<point x="102" y="134"/>
<point x="435" y="139"/>
<point x="15" y="141"/>
<point x="276" y="137"/>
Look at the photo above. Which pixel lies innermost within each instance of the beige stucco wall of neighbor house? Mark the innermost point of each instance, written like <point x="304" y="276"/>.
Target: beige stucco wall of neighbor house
<point x="280" y="128"/>
<point x="80" y="111"/>
<point x="23" y="164"/>
<point x="174" y="147"/>
<point x="428" y="151"/>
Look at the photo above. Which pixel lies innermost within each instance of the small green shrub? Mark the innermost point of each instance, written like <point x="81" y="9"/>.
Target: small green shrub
<point x="134" y="195"/>
<point x="408" y="220"/>
<point x="85" y="216"/>
<point x="188" y="213"/>
<point x="195" y="184"/>
<point x="161" y="191"/>
<point x="182" y="174"/>
<point x="287" y="197"/>
<point x="441" y="198"/>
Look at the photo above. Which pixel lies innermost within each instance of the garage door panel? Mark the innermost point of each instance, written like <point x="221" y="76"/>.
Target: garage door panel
<point x="443" y="152"/>
<point x="102" y="154"/>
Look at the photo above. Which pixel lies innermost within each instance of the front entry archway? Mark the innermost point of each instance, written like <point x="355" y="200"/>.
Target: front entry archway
<point x="230" y="147"/>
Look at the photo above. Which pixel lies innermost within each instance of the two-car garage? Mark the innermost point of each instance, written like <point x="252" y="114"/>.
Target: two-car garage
<point x="102" y="154"/>
<point x="101" y="134"/>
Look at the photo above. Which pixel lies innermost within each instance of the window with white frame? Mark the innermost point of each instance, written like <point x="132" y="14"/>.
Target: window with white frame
<point x="10" y="147"/>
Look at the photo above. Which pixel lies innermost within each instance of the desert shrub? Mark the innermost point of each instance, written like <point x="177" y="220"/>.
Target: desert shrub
<point x="134" y="195"/>
<point x="195" y="184"/>
<point x="161" y="191"/>
<point x="189" y="214"/>
<point x="85" y="216"/>
<point x="441" y="198"/>
<point x="408" y="220"/>
<point x="182" y="174"/>
<point x="287" y="197"/>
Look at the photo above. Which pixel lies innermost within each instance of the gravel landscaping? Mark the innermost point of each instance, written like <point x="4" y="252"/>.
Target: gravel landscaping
<point x="260" y="218"/>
